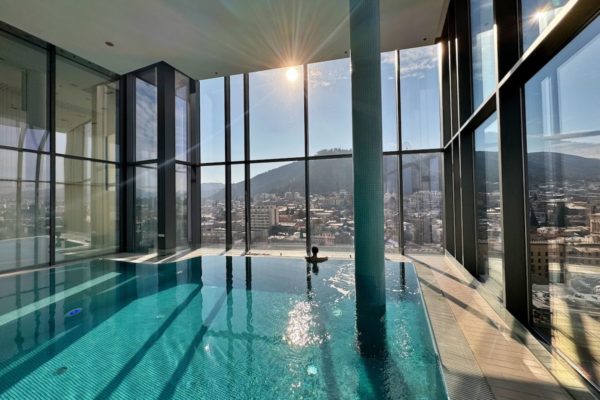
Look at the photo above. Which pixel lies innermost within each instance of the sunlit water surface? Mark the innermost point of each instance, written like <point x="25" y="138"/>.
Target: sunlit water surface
<point x="210" y="328"/>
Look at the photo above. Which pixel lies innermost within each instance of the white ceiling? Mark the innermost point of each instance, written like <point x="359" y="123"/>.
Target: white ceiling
<point x="205" y="38"/>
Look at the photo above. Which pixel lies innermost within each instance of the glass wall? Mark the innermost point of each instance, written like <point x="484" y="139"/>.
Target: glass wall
<point x="212" y="210"/>
<point x="389" y="100"/>
<point x="182" y="173"/>
<point x="86" y="112"/>
<point x="24" y="175"/>
<point x="182" y="109"/>
<point x="146" y="103"/>
<point x="24" y="208"/>
<point x="422" y="203"/>
<point x="277" y="113"/>
<point x="146" y="207"/>
<point x="86" y="191"/>
<point x="86" y="208"/>
<point x="278" y="202"/>
<point x="331" y="204"/>
<point x="330" y="107"/>
<point x="146" y="151"/>
<point x="420" y="98"/>
<point x="236" y="91"/>
<point x="391" y="204"/>
<point x="563" y="160"/>
<point x="278" y="206"/>
<point x="212" y="120"/>
<point x="488" y="209"/>
<point x="536" y="16"/>
<point x="483" y="50"/>
<point x="238" y="206"/>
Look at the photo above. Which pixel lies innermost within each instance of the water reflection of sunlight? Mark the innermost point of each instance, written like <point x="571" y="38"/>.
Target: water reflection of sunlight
<point x="300" y="330"/>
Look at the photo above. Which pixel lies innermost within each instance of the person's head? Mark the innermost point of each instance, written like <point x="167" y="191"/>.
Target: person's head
<point x="315" y="250"/>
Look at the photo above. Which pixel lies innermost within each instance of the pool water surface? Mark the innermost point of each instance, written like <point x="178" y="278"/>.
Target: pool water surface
<point x="209" y="328"/>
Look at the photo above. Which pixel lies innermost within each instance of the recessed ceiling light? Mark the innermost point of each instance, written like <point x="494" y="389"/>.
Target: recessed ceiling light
<point x="109" y="44"/>
<point x="424" y="39"/>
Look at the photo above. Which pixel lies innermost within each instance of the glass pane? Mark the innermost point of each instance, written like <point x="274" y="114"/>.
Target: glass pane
<point x="146" y="116"/>
<point x="236" y="90"/>
<point x="146" y="207"/>
<point x="24" y="209"/>
<point x="212" y="120"/>
<point x="483" y="50"/>
<point x="23" y="94"/>
<point x="422" y="202"/>
<point x="488" y="208"/>
<point x="238" y="206"/>
<point x="86" y="208"/>
<point x="182" y="92"/>
<point x="330" y="107"/>
<point x="420" y="98"/>
<point x="181" y="204"/>
<point x="86" y="112"/>
<point x="537" y="16"/>
<point x="389" y="100"/>
<point x="391" y="202"/>
<point x="278" y="206"/>
<point x="563" y="145"/>
<point x="277" y="113"/>
<point x="331" y="205"/>
<point x="213" y="206"/>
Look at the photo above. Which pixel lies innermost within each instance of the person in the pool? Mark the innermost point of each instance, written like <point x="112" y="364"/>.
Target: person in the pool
<point x="314" y="258"/>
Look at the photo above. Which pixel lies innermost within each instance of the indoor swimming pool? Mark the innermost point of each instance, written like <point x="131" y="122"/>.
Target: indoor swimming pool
<point x="209" y="328"/>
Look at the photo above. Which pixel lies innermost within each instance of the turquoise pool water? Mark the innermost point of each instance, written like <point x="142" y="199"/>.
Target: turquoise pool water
<point x="209" y="328"/>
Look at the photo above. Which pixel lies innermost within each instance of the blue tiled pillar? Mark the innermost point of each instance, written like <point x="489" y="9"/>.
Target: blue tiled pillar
<point x="367" y="158"/>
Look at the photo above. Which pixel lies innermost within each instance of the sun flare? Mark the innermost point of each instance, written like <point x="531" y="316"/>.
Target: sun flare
<point x="292" y="74"/>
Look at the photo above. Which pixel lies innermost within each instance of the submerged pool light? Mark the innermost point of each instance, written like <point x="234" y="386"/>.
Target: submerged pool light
<point x="74" y="312"/>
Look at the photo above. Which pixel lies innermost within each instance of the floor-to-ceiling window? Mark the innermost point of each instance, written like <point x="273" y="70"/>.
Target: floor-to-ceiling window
<point x="391" y="164"/>
<point x="238" y="154"/>
<point x="277" y="130"/>
<point x="332" y="204"/>
<point x="422" y="203"/>
<point x="24" y="159"/>
<point x="87" y="186"/>
<point x="488" y="209"/>
<point x="536" y="16"/>
<point x="421" y="160"/>
<point x="563" y="160"/>
<point x="184" y="150"/>
<point x="213" y="206"/>
<point x="420" y="98"/>
<point x="285" y="171"/>
<point x="277" y="206"/>
<point x="483" y="50"/>
<point x="212" y="150"/>
<point x="146" y="155"/>
<point x="64" y="143"/>
<point x="329" y="107"/>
